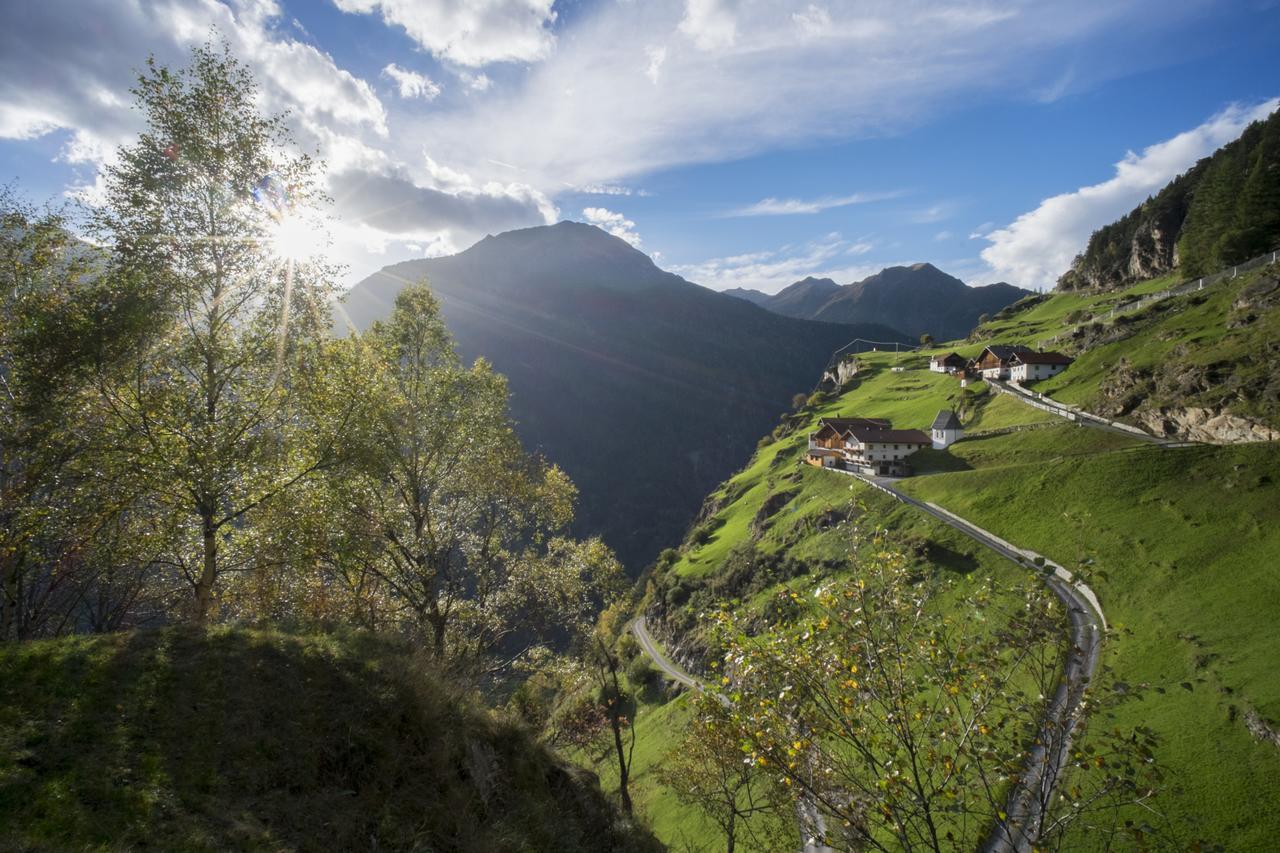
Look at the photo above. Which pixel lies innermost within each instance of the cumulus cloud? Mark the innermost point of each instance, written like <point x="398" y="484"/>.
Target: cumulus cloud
<point x="392" y="202"/>
<point x="1038" y="246"/>
<point x="772" y="270"/>
<point x="412" y="84"/>
<point x="792" y="206"/>
<point x="615" y="223"/>
<point x="471" y="33"/>
<point x="70" y="64"/>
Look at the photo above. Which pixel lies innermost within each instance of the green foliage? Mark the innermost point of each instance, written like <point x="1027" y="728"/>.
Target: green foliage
<point x="230" y="739"/>
<point x="1224" y="210"/>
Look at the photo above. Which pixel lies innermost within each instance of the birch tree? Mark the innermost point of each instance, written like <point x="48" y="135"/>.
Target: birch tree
<point x="204" y="208"/>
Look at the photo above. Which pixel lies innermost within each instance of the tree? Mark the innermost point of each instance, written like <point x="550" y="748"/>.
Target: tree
<point x="204" y="421"/>
<point x="615" y="705"/>
<point x="458" y="527"/>
<point x="904" y="719"/>
<point x="926" y="340"/>
<point x="60" y="316"/>
<point x="707" y="771"/>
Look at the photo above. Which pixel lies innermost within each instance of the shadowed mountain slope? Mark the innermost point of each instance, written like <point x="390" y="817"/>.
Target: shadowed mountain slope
<point x="647" y="389"/>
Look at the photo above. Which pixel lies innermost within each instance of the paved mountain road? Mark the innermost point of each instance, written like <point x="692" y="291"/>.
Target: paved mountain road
<point x="1024" y="812"/>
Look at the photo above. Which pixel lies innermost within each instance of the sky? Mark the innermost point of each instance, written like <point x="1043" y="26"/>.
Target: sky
<point x="744" y="143"/>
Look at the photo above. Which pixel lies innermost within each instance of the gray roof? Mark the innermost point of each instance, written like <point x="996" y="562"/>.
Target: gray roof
<point x="946" y="420"/>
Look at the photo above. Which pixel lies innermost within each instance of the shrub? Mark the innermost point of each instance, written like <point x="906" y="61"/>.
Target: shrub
<point x="641" y="673"/>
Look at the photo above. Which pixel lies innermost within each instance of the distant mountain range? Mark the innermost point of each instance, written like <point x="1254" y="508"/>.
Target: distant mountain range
<point x="647" y="389"/>
<point x="919" y="299"/>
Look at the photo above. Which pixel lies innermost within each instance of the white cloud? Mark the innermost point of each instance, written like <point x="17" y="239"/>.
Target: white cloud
<point x="738" y="79"/>
<point x="710" y="24"/>
<point x="71" y="62"/>
<point x="792" y="206"/>
<point x="813" y="20"/>
<point x="615" y="223"/>
<point x="941" y="236"/>
<point x="771" y="271"/>
<point x="472" y="33"/>
<point x="608" y="189"/>
<point x="1038" y="246"/>
<point x="933" y="213"/>
<point x="412" y="84"/>
<point x="475" y="82"/>
<point x="657" y="56"/>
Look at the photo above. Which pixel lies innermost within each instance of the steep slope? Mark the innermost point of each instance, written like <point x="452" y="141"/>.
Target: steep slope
<point x="1222" y="211"/>
<point x="1180" y="543"/>
<point x="645" y="388"/>
<point x="248" y="740"/>
<point x="1198" y="365"/>
<point x="919" y="299"/>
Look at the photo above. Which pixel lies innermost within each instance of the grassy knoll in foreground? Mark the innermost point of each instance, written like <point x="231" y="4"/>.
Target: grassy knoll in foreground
<point x="236" y="739"/>
<point x="1182" y="546"/>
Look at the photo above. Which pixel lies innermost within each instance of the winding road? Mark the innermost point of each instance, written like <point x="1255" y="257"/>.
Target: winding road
<point x="1079" y="416"/>
<point x="813" y="825"/>
<point x="1024" y="810"/>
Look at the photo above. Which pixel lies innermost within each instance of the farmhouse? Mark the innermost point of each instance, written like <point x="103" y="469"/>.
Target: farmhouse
<point x="1030" y="366"/>
<point x="946" y="430"/>
<point x="866" y="445"/>
<point x="996" y="360"/>
<point x="949" y="363"/>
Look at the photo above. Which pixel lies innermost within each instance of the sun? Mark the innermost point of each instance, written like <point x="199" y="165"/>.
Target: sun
<point x="294" y="238"/>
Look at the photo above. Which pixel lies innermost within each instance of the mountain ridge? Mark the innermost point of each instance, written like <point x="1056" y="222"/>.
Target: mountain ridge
<point x="646" y="388"/>
<point x="917" y="299"/>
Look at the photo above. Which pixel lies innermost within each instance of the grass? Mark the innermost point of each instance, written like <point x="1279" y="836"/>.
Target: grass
<point x="187" y="740"/>
<point x="1180" y="544"/>
<point x="1182" y="547"/>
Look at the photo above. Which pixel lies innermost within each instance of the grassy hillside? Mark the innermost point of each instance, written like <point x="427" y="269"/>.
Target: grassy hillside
<point x="1182" y="547"/>
<point x="234" y="739"/>
<point x="1213" y="350"/>
<point x="747" y="547"/>
<point x="1180" y="544"/>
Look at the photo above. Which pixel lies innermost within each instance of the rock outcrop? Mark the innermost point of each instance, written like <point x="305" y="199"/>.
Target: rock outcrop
<point x="1213" y="426"/>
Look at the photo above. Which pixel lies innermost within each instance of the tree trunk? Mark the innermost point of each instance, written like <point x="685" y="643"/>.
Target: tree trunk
<point x="615" y="723"/>
<point x="209" y="571"/>
<point x="733" y="813"/>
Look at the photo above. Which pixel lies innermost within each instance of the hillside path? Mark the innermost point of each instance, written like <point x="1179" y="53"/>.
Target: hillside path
<point x="1079" y="416"/>
<point x="812" y="824"/>
<point x="1025" y="810"/>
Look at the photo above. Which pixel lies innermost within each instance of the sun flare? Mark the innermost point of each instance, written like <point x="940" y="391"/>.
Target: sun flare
<point x="296" y="239"/>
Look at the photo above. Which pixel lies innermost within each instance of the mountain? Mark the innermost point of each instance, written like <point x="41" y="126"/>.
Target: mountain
<point x="647" y="389"/>
<point x="230" y="739"/>
<point x="1223" y="210"/>
<point x="753" y="296"/>
<point x="804" y="299"/>
<point x="919" y="299"/>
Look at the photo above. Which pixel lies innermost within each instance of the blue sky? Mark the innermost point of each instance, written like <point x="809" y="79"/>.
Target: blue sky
<point x="739" y="143"/>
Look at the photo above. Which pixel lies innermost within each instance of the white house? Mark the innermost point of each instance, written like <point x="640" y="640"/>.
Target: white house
<point x="995" y="362"/>
<point x="882" y="451"/>
<point x="1030" y="366"/>
<point x="949" y="363"/>
<point x="946" y="430"/>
